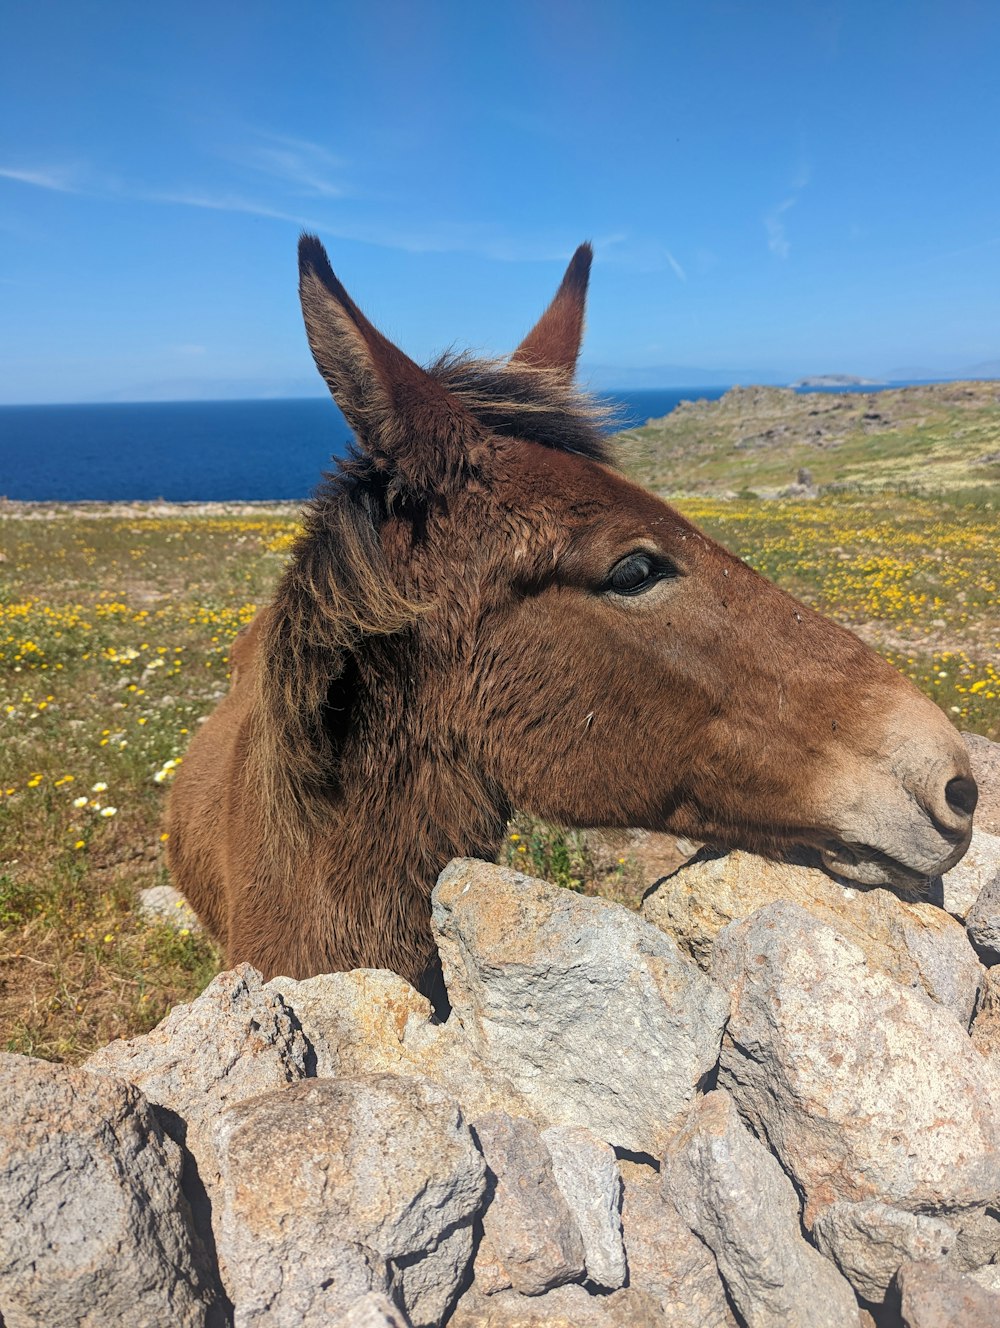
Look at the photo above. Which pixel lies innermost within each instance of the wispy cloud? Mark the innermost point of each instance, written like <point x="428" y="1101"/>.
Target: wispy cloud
<point x="227" y="203"/>
<point x="802" y="176"/>
<point x="310" y="169"/>
<point x="305" y="185"/>
<point x="777" y="237"/>
<point x="445" y="236"/>
<point x="62" y="181"/>
<point x="640" y="253"/>
<point x="678" y="271"/>
<point x="774" y="220"/>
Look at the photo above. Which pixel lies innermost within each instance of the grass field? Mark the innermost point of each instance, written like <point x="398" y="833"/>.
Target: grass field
<point x="114" y="630"/>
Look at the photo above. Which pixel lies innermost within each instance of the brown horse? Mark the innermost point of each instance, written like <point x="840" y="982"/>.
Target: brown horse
<point x="482" y="614"/>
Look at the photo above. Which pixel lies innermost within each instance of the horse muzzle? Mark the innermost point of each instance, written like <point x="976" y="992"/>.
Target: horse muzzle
<point x="913" y="820"/>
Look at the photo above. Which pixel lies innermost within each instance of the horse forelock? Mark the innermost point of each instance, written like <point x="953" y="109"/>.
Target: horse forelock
<point x="511" y="399"/>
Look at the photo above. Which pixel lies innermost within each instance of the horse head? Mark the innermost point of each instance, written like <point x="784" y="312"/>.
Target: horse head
<point x="593" y="656"/>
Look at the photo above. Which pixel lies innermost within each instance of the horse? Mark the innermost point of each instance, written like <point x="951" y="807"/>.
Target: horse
<point x="482" y="613"/>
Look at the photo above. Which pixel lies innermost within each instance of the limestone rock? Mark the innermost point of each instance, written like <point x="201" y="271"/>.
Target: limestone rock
<point x="593" y="1015"/>
<point x="233" y="1042"/>
<point x="869" y="1241"/>
<point x="986" y="1025"/>
<point x="587" y="1174"/>
<point x="164" y="904"/>
<point x="959" y="889"/>
<point x="372" y="1176"/>
<point x="983" y="920"/>
<point x="863" y="1088"/>
<point x="94" y="1229"/>
<point x="985" y="758"/>
<point x="528" y="1224"/>
<point x="562" y="1307"/>
<point x="934" y="1296"/>
<point x="371" y="1021"/>
<point x="666" y="1262"/>
<point x="916" y="944"/>
<point x="734" y="1195"/>
<point x="373" y="1311"/>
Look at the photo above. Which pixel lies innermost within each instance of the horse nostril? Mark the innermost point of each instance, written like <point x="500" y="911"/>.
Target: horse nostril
<point x="962" y="794"/>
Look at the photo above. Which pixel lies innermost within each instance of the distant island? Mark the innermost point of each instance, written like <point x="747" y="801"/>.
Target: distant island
<point x="836" y="380"/>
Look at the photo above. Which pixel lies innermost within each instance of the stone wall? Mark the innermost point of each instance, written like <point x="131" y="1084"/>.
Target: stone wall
<point x="768" y="1099"/>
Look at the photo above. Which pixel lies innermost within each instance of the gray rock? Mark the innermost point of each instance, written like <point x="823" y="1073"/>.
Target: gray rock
<point x="562" y="1307"/>
<point x="666" y="1262"/>
<point x="935" y="1296"/>
<point x="985" y="758"/>
<point x="986" y="1025"/>
<point x="868" y="1242"/>
<point x="489" y="1273"/>
<point x="864" y="1089"/>
<point x="988" y="1277"/>
<point x="916" y="944"/>
<point x="233" y="1042"/>
<point x="983" y="920"/>
<point x="164" y="904"/>
<point x="734" y="1195"/>
<point x="426" y="1282"/>
<point x="373" y="1176"/>
<point x="373" y="1311"/>
<point x="529" y="1228"/>
<point x="587" y="1174"/>
<point x="371" y="1021"/>
<point x="593" y="1015"/>
<point x="962" y="886"/>
<point x="94" y="1229"/>
<point x="978" y="1239"/>
<point x="947" y="967"/>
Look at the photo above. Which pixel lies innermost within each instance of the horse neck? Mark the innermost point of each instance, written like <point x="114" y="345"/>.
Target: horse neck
<point x="409" y="802"/>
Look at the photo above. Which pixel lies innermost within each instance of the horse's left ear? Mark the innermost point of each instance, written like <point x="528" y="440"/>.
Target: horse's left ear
<point x="554" y="342"/>
<point x="406" y="420"/>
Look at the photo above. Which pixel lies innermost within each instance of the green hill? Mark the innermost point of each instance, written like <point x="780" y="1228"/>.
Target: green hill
<point x="934" y="438"/>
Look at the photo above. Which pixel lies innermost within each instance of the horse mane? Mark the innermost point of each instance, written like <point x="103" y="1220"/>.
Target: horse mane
<point x="335" y="591"/>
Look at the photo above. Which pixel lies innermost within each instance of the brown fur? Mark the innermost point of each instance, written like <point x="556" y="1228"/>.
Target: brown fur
<point x="444" y="646"/>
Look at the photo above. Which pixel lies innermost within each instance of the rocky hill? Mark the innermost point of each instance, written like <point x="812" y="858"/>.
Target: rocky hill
<point x="935" y="437"/>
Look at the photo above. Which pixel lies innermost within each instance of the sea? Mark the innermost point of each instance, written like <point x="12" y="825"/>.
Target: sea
<point x="205" y="451"/>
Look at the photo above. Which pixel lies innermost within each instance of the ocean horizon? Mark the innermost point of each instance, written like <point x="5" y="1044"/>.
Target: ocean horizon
<point x="211" y="451"/>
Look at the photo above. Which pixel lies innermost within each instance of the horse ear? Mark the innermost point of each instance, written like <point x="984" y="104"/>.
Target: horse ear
<point x="554" y="342"/>
<point x="401" y="416"/>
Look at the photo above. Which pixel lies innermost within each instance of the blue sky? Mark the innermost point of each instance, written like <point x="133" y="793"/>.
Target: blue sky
<point x="771" y="188"/>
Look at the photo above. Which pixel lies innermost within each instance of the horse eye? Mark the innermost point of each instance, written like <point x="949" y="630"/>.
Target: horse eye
<point x="636" y="574"/>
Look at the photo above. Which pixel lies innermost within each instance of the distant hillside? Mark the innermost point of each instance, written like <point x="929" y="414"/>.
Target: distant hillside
<point x="938" y="436"/>
<point x="835" y="380"/>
